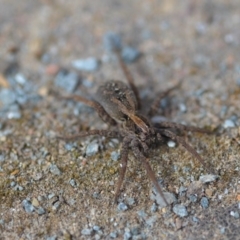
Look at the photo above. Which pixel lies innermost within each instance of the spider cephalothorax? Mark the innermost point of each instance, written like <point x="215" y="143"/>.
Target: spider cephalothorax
<point x="118" y="105"/>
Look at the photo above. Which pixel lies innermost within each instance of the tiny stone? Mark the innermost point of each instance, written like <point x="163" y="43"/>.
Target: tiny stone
<point x="89" y="64"/>
<point x="180" y="210"/>
<point x="193" y="198"/>
<point x="234" y="214"/>
<point x="67" y="80"/>
<point x="182" y="189"/>
<point x="12" y="184"/>
<point x="130" y="201"/>
<point x="96" y="228"/>
<point x="51" y="195"/>
<point x="115" y="155"/>
<point x="7" y="96"/>
<point x="182" y="107"/>
<point x="171" y="144"/>
<point x="228" y="123"/>
<point x="92" y="148"/>
<point x="154" y="207"/>
<point x="27" y="206"/>
<point x="112" y="41"/>
<point x="52" y="238"/>
<point x="35" y="202"/>
<point x="87" y="231"/>
<point x="20" y="79"/>
<point x="127" y="234"/>
<point x="73" y="183"/>
<point x="55" y="170"/>
<point x="18" y="188"/>
<point x="130" y="54"/>
<point x="56" y="205"/>
<point x="136" y="231"/>
<point x="155" y="196"/>
<point x="113" y="235"/>
<point x="204" y="202"/>
<point x="14" y="112"/>
<point x="208" y="178"/>
<point x="122" y="207"/>
<point x="40" y="211"/>
<point x="195" y="219"/>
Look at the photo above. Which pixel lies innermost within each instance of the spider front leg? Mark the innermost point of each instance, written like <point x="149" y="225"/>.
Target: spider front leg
<point x="138" y="154"/>
<point x="97" y="106"/>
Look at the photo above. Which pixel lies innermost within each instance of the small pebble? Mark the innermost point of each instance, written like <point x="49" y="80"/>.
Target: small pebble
<point x="87" y="231"/>
<point x="234" y="214"/>
<point x="52" y="238"/>
<point x="27" y="206"/>
<point x="208" y="178"/>
<point x="115" y="155"/>
<point x="182" y="107"/>
<point x="154" y="207"/>
<point x="113" y="235"/>
<point x="89" y="64"/>
<point x="92" y="148"/>
<point x="228" y="123"/>
<point x="193" y="198"/>
<point x="130" y="201"/>
<point x="180" y="210"/>
<point x="122" y="207"/>
<point x="130" y="54"/>
<point x="171" y="144"/>
<point x="204" y="202"/>
<point x="182" y="190"/>
<point x="67" y="80"/>
<point x="112" y="41"/>
<point x="7" y="96"/>
<point x="127" y="234"/>
<point x="73" y="183"/>
<point x="18" y="188"/>
<point x="55" y="170"/>
<point x="40" y="211"/>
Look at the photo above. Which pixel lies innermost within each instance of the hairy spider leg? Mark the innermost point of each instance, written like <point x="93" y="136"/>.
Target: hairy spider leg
<point x="97" y="106"/>
<point x="129" y="78"/>
<point x="155" y="105"/>
<point x="138" y="154"/>
<point x="181" y="127"/>
<point x="124" y="160"/>
<point x="180" y="140"/>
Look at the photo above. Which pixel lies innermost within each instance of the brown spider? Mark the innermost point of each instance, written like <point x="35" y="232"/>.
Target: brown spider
<point x="119" y="105"/>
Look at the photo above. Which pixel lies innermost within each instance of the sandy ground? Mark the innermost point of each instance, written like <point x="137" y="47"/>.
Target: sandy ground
<point x="53" y="190"/>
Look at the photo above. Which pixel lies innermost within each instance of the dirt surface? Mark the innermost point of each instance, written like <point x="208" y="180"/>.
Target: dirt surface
<point x="50" y="189"/>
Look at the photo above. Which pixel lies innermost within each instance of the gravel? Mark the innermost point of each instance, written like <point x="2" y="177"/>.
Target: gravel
<point x="204" y="202"/>
<point x="208" y="178"/>
<point x="115" y="156"/>
<point x="112" y="41"/>
<point x="55" y="170"/>
<point x="130" y="54"/>
<point x="122" y="207"/>
<point x="92" y="148"/>
<point x="89" y="64"/>
<point x="67" y="80"/>
<point x="180" y="210"/>
<point x="27" y="206"/>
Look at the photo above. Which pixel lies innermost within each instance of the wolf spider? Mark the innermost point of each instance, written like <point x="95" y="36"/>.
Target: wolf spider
<point x="119" y="105"/>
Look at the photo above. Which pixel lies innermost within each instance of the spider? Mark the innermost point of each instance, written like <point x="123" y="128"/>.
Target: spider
<point x="119" y="105"/>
